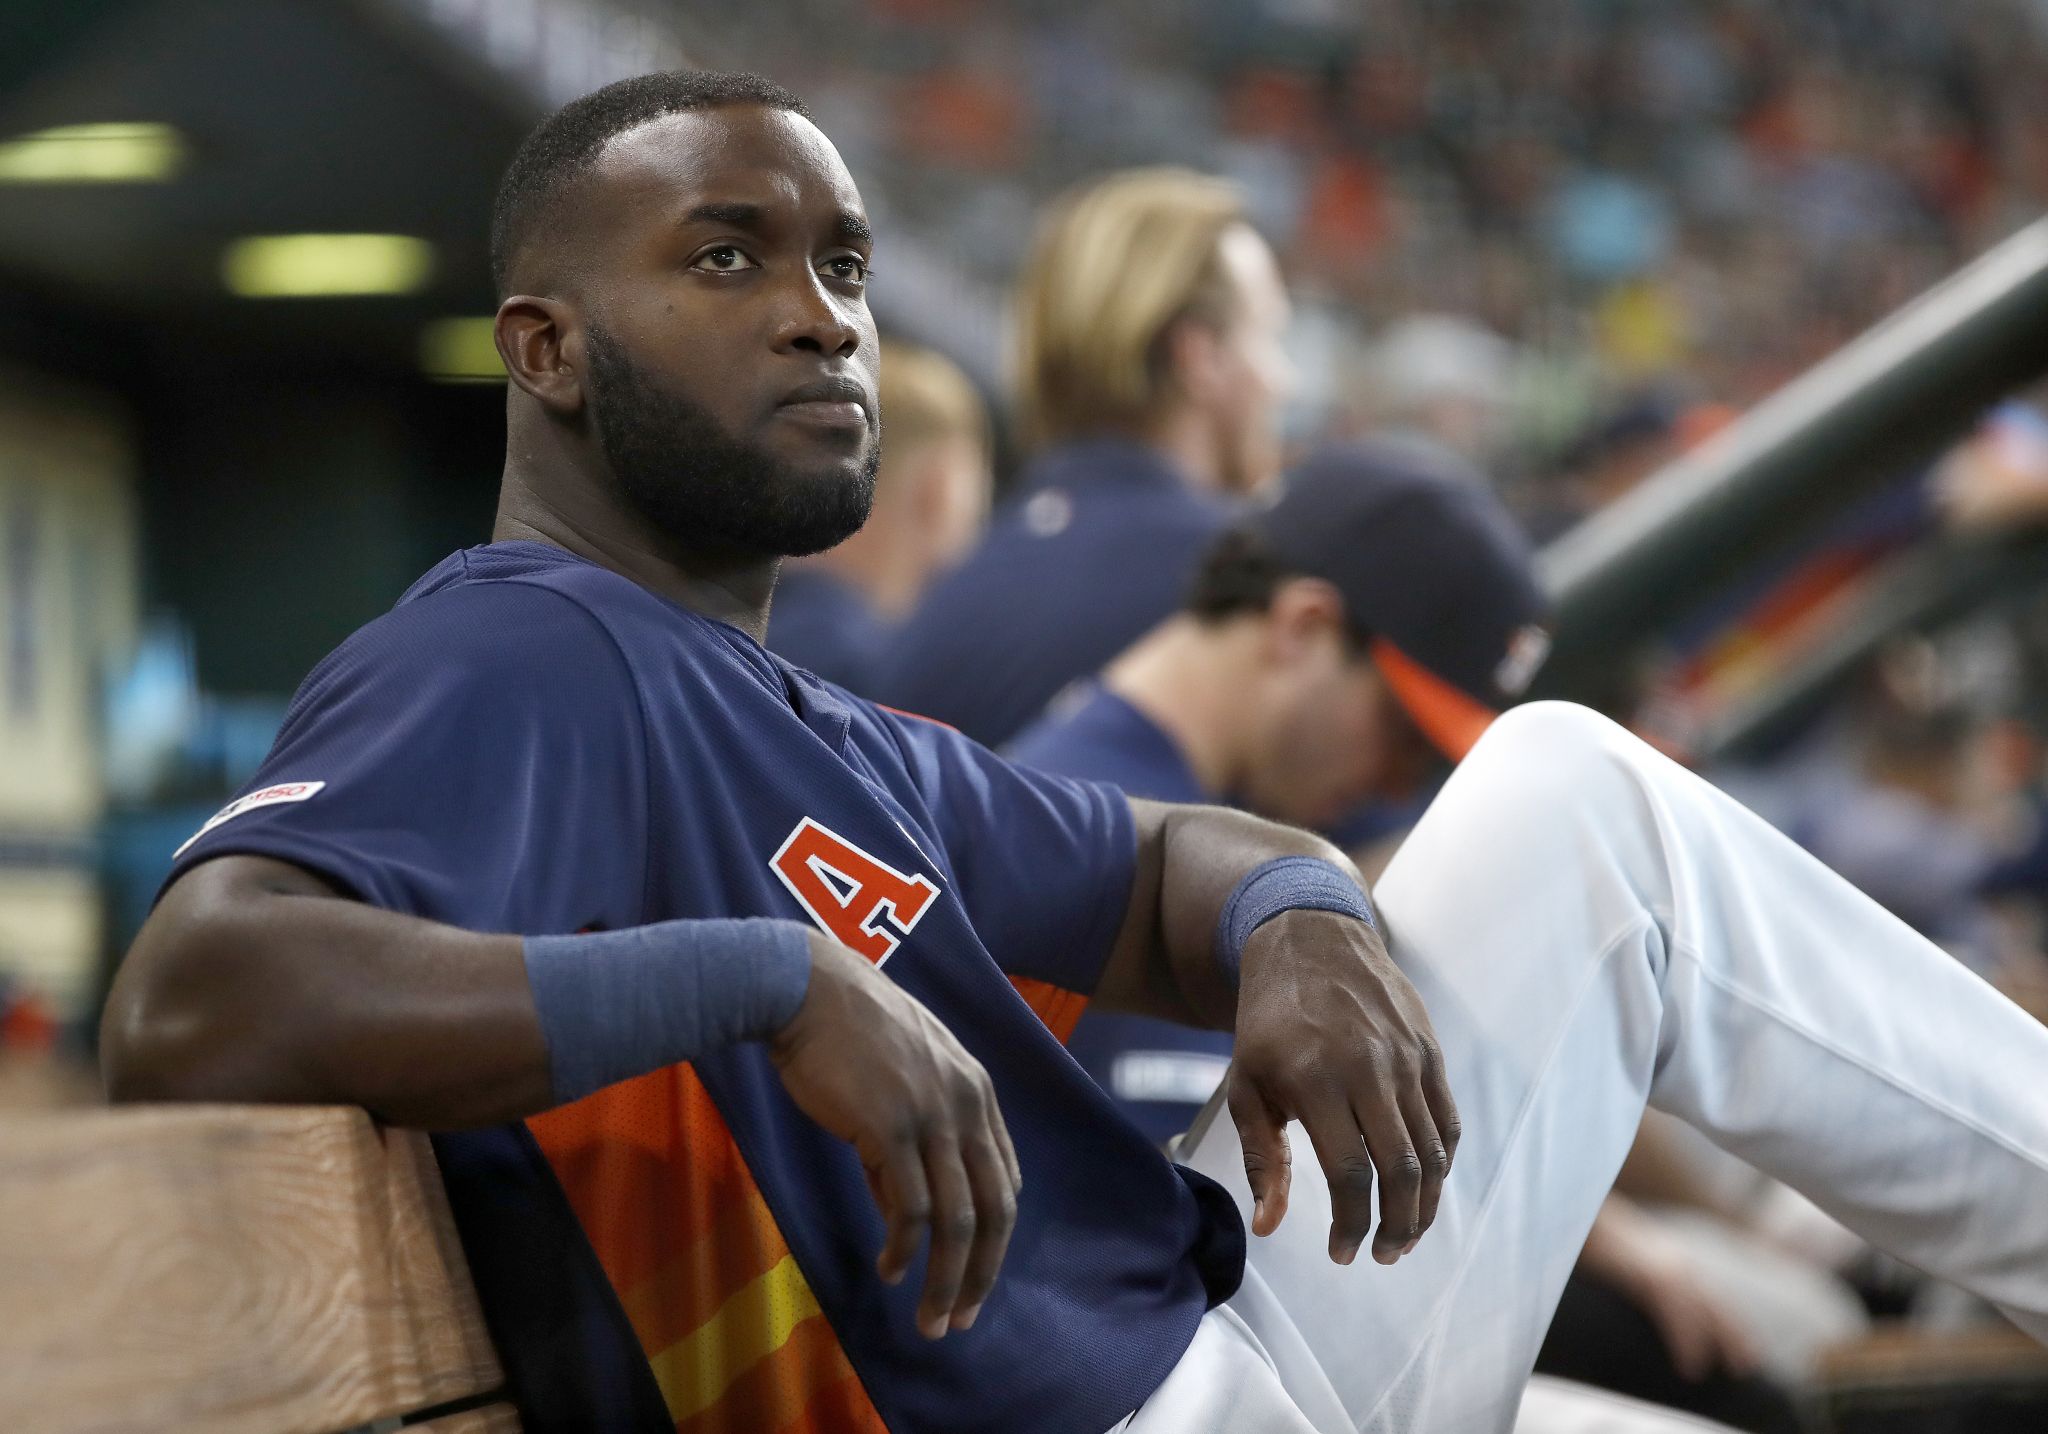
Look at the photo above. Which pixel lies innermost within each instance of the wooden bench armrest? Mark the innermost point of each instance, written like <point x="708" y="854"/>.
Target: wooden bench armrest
<point x="266" y="1269"/>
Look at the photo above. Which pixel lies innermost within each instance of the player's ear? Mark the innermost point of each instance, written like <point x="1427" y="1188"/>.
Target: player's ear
<point x="1193" y="354"/>
<point x="1303" y="611"/>
<point x="541" y="343"/>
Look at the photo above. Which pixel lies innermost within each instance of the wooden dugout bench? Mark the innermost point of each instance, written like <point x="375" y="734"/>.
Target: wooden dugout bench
<point x="237" y="1270"/>
<point x="293" y="1270"/>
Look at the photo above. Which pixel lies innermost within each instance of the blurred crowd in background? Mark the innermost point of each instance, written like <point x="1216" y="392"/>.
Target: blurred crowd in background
<point x="1593" y="195"/>
<point x="1567" y="239"/>
<point x="1564" y="242"/>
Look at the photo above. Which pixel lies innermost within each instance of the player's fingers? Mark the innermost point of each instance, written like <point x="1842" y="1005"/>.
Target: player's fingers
<point x="1443" y="1109"/>
<point x="953" y="1226"/>
<point x="1268" y="1163"/>
<point x="905" y="1198"/>
<point x="999" y="1129"/>
<point x="1436" y="1161"/>
<point x="1378" y="1114"/>
<point x="1347" y="1166"/>
<point x="995" y="1216"/>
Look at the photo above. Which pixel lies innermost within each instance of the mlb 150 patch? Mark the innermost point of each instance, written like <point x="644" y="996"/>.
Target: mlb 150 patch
<point x="270" y="796"/>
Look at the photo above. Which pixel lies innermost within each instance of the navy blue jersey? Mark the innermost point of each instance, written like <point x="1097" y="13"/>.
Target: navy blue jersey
<point x="1100" y="737"/>
<point x="532" y="743"/>
<point x="1098" y="547"/>
<point x="1160" y="1073"/>
<point x="827" y="627"/>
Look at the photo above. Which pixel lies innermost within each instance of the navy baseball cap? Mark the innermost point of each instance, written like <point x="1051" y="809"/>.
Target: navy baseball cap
<point x="1433" y="570"/>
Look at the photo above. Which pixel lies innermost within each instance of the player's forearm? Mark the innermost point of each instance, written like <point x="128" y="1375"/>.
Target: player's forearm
<point x="1190" y="859"/>
<point x="253" y="982"/>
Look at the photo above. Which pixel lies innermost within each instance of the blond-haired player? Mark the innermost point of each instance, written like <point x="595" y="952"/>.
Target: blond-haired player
<point x="1150" y="374"/>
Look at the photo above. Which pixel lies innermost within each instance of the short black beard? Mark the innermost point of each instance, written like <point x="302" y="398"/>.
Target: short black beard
<point x="698" y="485"/>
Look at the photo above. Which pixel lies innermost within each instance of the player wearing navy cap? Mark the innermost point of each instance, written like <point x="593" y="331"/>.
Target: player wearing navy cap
<point x="733" y="998"/>
<point x="1348" y="640"/>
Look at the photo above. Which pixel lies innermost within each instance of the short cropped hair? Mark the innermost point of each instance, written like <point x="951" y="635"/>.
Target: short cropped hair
<point x="562" y="147"/>
<point x="925" y="398"/>
<point x="1116" y="265"/>
<point x="1239" y="575"/>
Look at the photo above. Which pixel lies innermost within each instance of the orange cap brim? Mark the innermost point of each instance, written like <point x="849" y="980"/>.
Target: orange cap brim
<point x="1451" y="718"/>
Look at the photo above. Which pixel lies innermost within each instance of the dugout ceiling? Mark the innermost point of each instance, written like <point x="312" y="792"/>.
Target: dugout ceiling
<point x="317" y="115"/>
<point x="294" y="468"/>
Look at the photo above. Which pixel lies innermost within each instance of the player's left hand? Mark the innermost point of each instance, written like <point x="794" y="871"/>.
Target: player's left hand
<point x="1330" y="1033"/>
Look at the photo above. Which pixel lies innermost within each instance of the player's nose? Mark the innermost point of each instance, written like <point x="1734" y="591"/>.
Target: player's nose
<point x="811" y="319"/>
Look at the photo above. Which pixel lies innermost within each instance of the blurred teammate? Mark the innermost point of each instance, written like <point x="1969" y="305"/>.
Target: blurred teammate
<point x="730" y="993"/>
<point x="834" y="612"/>
<point x="1150" y="372"/>
<point x="1349" y="642"/>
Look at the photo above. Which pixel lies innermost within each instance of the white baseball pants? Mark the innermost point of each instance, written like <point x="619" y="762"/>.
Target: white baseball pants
<point x="1594" y="928"/>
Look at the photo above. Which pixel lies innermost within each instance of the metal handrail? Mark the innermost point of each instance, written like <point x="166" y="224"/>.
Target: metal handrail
<point x="1891" y="399"/>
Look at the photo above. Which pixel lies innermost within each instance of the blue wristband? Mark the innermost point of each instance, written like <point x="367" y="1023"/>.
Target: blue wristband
<point x="617" y="1004"/>
<point x="1286" y="883"/>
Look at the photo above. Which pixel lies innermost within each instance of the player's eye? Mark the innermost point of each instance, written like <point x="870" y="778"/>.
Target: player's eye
<point x="848" y="267"/>
<point x="723" y="259"/>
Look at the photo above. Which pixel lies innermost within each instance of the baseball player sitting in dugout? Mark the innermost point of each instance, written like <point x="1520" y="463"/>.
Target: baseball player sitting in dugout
<point x="734" y="1001"/>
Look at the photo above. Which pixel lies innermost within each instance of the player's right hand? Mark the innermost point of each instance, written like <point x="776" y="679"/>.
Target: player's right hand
<point x="871" y="1065"/>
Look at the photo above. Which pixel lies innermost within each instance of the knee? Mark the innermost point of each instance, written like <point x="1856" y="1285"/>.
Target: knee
<point x="1551" y="734"/>
<point x="1548" y="758"/>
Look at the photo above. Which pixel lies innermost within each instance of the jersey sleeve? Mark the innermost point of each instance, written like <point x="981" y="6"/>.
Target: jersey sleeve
<point x="475" y="756"/>
<point x="1044" y="863"/>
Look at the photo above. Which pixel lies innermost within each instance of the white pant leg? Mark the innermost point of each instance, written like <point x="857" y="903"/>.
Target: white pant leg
<point x="1557" y="1406"/>
<point x="1592" y="926"/>
<point x="1228" y="1382"/>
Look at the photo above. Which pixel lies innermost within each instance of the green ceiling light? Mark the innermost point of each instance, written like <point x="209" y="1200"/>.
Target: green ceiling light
<point x="461" y="351"/>
<point x="306" y="266"/>
<point x="93" y="154"/>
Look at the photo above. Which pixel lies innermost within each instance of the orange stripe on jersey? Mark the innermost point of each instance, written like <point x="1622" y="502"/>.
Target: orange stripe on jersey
<point x="750" y="1327"/>
<point x="731" y="1329"/>
<point x="617" y="1152"/>
<point x="842" y="1409"/>
<point x="1058" y="1007"/>
<point x="805" y="1385"/>
<point x="742" y="1244"/>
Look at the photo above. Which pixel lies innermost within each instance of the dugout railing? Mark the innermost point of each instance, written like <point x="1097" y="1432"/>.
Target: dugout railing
<point x="1883" y="404"/>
